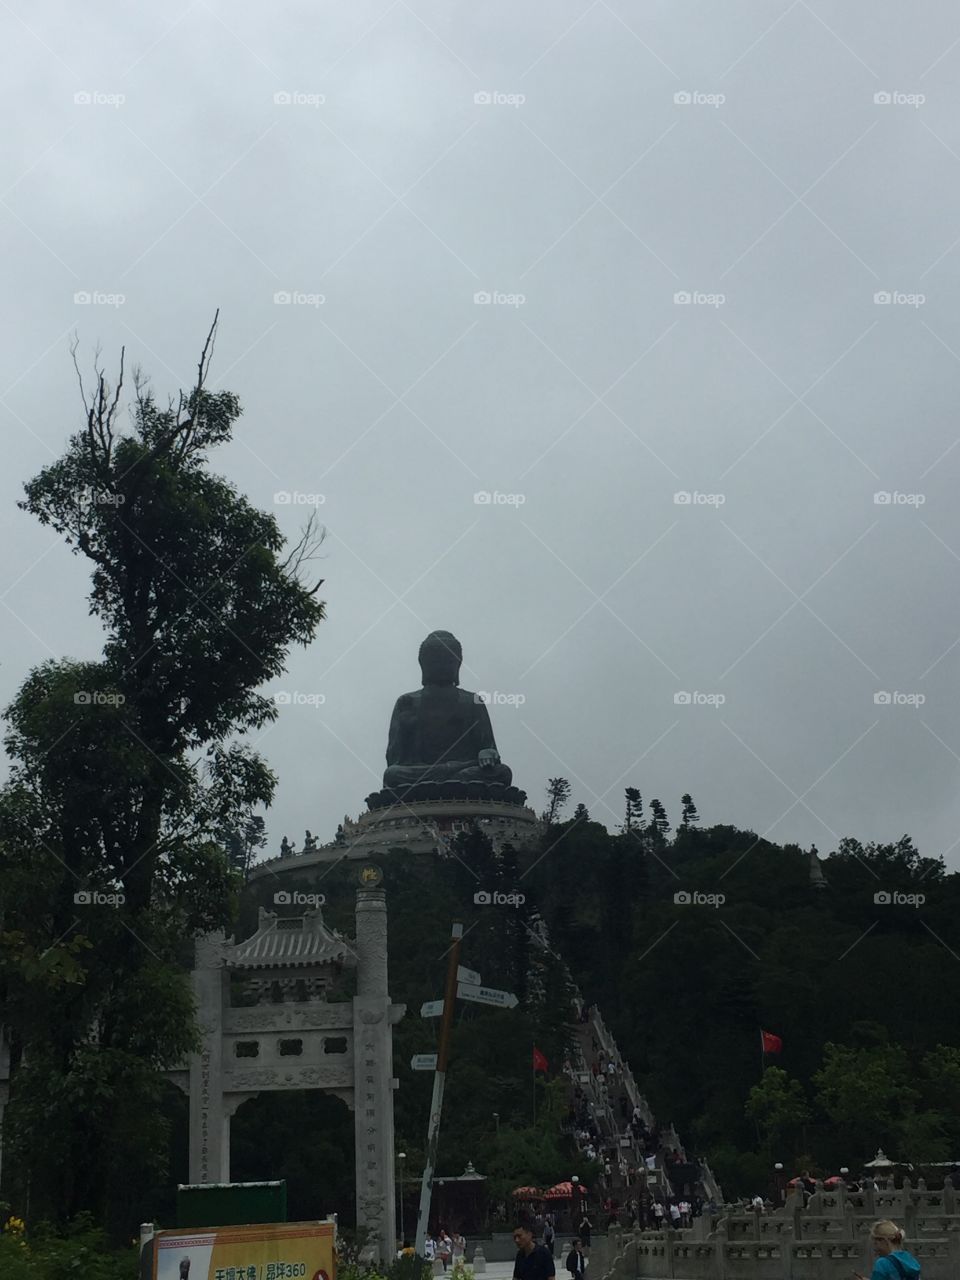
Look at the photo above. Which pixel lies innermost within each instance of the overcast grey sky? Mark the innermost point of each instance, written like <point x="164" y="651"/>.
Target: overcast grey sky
<point x="586" y="166"/>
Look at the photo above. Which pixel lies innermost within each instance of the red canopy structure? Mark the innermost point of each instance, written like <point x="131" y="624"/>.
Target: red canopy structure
<point x="526" y="1193"/>
<point x="562" y="1191"/>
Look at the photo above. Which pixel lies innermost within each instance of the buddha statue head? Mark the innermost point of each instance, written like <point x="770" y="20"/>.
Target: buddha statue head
<point x="440" y="657"/>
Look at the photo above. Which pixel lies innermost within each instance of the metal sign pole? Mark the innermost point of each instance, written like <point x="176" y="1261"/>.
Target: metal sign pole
<point x="433" y="1129"/>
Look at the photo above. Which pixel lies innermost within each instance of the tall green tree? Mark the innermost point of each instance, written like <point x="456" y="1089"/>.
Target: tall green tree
<point x="127" y="771"/>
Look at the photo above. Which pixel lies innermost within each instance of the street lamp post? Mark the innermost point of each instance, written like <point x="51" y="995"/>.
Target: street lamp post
<point x="778" y="1173"/>
<point x="496" y="1121"/>
<point x="402" y="1157"/>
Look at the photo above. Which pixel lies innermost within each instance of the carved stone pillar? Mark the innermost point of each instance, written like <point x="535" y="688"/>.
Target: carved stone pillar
<point x="373" y="1076"/>
<point x="209" y="1133"/>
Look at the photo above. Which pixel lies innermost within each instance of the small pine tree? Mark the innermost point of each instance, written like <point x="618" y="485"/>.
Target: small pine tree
<point x="558" y="793"/>
<point x="689" y="817"/>
<point x="581" y="813"/>
<point x="633" y="810"/>
<point x="659" y="820"/>
<point x="242" y="841"/>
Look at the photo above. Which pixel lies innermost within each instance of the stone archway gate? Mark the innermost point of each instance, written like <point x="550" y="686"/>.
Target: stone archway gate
<point x="293" y="1038"/>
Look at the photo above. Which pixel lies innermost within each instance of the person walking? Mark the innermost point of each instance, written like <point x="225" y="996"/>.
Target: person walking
<point x="549" y="1234"/>
<point x="658" y="1213"/>
<point x="533" y="1261"/>
<point x="575" y="1262"/>
<point x="893" y="1261"/>
<point x="444" y="1248"/>
<point x="430" y="1248"/>
<point x="459" y="1248"/>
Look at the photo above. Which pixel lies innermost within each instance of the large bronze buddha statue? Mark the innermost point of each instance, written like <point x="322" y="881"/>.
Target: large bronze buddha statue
<point x="441" y="743"/>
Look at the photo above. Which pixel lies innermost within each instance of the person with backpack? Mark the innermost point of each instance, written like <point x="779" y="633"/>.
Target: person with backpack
<point x="893" y="1261"/>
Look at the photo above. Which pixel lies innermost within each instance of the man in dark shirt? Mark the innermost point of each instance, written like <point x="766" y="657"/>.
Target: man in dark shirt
<point x="576" y="1263"/>
<point x="534" y="1262"/>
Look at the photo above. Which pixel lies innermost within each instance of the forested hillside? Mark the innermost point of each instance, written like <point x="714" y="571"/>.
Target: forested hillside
<point x="861" y="991"/>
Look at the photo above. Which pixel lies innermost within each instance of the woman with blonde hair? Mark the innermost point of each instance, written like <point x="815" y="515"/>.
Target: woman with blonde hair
<point x="893" y="1261"/>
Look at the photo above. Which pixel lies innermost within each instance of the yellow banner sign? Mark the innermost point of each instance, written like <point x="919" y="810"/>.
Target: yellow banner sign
<point x="272" y="1251"/>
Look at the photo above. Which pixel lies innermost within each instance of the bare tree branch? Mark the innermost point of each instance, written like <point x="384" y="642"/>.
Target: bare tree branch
<point x="304" y="550"/>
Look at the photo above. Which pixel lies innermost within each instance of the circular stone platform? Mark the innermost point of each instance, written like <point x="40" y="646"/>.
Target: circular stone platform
<point x="424" y="826"/>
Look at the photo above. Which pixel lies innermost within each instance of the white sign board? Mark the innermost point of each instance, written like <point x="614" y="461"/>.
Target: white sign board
<point x="423" y="1062"/>
<point x="486" y="995"/>
<point x="431" y="1009"/>
<point x="468" y="975"/>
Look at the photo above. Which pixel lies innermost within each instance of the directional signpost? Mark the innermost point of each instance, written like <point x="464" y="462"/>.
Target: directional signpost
<point x="486" y="995"/>
<point x="463" y="984"/>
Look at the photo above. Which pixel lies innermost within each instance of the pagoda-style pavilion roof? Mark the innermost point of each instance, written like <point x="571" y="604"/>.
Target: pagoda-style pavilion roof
<point x="287" y="941"/>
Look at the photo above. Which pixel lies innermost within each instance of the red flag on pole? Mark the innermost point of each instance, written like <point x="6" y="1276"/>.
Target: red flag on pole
<point x="769" y="1043"/>
<point x="539" y="1061"/>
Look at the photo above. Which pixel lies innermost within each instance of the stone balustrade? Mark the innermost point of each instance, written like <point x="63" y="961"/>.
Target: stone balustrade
<point x="827" y="1240"/>
<point x="776" y="1255"/>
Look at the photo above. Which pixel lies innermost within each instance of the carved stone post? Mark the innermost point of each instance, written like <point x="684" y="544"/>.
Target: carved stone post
<point x="209" y="1136"/>
<point x="373" y="1076"/>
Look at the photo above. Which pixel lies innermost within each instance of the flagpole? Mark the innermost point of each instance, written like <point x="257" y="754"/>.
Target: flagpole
<point x="533" y="1073"/>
